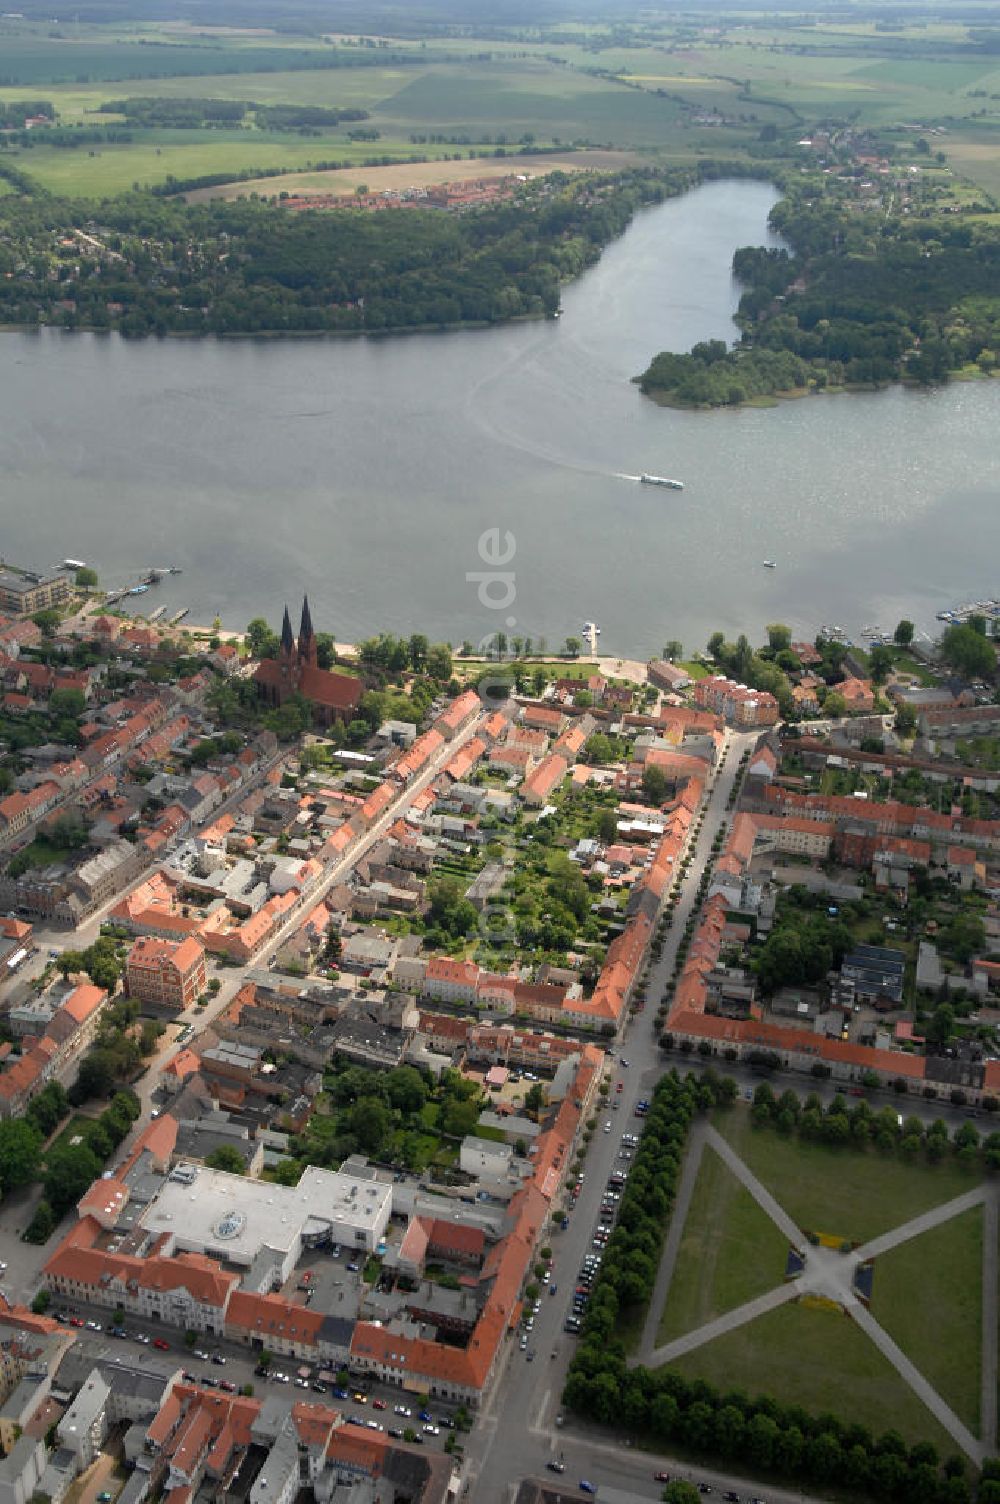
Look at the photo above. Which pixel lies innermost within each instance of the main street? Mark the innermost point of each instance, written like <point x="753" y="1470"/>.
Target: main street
<point x="517" y="1432"/>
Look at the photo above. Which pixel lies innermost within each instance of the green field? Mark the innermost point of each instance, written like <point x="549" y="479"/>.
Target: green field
<point x="535" y="98"/>
<point x="928" y="1295"/>
<point x="111" y="169"/>
<point x="819" y="1359"/>
<point x="730" y="1252"/>
<point x="844" y="1193"/>
<point x="663" y="86"/>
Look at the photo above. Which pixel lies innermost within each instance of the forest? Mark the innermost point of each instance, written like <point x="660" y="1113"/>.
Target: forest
<point x="860" y="299"/>
<point x="146" y="265"/>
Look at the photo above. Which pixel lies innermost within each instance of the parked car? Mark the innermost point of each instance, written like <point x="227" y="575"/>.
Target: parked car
<point x="556" y="1467"/>
<point x="163" y="1347"/>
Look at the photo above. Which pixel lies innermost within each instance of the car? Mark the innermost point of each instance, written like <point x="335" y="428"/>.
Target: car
<point x="374" y="1425"/>
<point x="661" y="1477"/>
<point x="104" y="1497"/>
<point x="445" y="1423"/>
<point x="607" y="1126"/>
<point x="530" y="1355"/>
<point x="624" y="1064"/>
<point x="620" y="1087"/>
<point x="546" y="1277"/>
<point x="353" y="1268"/>
<point x="379" y="1405"/>
<point x="395" y="1433"/>
<point x="218" y="1358"/>
<point x="160" y="1345"/>
<point x="302" y="1383"/>
<point x="227" y="1385"/>
<point x="586" y="1487"/>
<point x="553" y="1289"/>
<point x="426" y="1416"/>
<point x="359" y="1397"/>
<point x="401" y="1410"/>
<point x="93" y="1326"/>
<point x="556" y="1467"/>
<point x="732" y="1496"/>
<point x="704" y="1488"/>
<point x="3" y="1267"/>
<point x="200" y="1354"/>
<point x="318" y="1388"/>
<point x="142" y="1337"/>
<point x="209" y="1381"/>
<point x="340" y="1393"/>
<point x="430" y="1430"/>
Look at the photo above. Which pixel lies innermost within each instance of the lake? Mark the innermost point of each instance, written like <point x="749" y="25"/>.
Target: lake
<point x="365" y="471"/>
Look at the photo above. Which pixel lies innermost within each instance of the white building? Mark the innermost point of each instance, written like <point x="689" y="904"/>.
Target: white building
<point x="234" y="1220"/>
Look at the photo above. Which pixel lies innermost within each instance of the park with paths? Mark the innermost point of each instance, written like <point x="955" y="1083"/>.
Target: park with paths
<point x="833" y="1278"/>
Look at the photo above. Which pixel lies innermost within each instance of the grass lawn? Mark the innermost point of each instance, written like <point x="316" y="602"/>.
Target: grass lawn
<point x="928" y="1295"/>
<point x="77" y="1129"/>
<point x="695" y="670"/>
<point x="819" y="1359"/>
<point x="729" y="1253"/>
<point x="44" y="853"/>
<point x="844" y="1192"/>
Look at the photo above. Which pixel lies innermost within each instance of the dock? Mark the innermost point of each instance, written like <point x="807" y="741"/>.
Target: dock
<point x="178" y="616"/>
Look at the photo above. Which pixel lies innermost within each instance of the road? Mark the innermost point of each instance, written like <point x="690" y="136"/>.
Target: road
<point x="517" y="1431"/>
<point x="239" y="1369"/>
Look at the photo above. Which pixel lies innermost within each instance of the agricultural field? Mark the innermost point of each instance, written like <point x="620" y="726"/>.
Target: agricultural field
<point x="345" y="181"/>
<point x="660" y="88"/>
<point x="974" y="152"/>
<point x="110" y="169"/>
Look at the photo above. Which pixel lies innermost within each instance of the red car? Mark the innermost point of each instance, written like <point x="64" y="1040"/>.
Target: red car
<point x="378" y="1404"/>
<point x="163" y="1346"/>
<point x="76" y="1321"/>
<point x="620" y="1086"/>
<point x="661" y="1477"/>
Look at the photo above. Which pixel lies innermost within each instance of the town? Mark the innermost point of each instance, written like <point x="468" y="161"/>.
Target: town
<point x="325" y="976"/>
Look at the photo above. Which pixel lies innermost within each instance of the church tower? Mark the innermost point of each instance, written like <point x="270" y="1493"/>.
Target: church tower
<point x="307" y="638"/>
<point x="286" y="658"/>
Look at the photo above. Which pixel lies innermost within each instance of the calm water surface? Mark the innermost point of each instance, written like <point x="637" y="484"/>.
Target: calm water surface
<point x="364" y="471"/>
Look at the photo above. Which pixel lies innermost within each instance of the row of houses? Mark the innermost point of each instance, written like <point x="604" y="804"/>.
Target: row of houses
<point x="66" y="1034"/>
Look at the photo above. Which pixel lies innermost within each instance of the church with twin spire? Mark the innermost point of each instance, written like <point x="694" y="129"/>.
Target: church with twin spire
<point x="296" y="671"/>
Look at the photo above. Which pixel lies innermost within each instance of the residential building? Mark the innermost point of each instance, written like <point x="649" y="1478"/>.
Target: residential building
<point x="165" y="973"/>
<point x="23" y="592"/>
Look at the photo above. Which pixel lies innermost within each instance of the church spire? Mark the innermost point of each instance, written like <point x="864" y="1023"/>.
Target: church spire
<point x="307" y="639"/>
<point x="306" y="625"/>
<point x="287" y="640"/>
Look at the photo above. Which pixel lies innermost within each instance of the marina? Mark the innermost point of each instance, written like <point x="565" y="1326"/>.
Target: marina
<point x="960" y="615"/>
